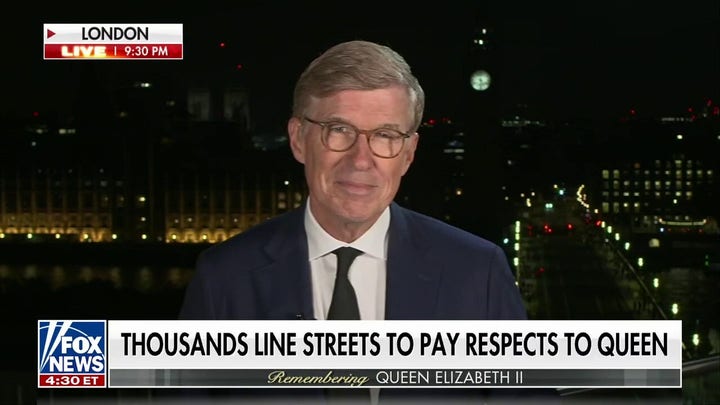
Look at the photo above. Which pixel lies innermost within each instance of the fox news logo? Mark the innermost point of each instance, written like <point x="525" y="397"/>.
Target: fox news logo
<point x="71" y="354"/>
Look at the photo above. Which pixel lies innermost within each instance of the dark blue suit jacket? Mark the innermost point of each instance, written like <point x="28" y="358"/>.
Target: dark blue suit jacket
<point x="434" y="272"/>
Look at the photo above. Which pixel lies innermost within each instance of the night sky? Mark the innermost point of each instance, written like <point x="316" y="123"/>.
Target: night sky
<point x="565" y="60"/>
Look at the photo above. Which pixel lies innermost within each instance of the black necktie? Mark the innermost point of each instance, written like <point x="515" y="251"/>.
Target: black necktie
<point x="344" y="306"/>
<point x="344" y="302"/>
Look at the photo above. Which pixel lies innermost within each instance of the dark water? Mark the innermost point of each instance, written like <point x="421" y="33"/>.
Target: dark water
<point x="104" y="292"/>
<point x="39" y="291"/>
<point x="32" y="292"/>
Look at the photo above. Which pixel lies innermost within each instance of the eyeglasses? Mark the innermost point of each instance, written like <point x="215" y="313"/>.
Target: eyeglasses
<point x="340" y="137"/>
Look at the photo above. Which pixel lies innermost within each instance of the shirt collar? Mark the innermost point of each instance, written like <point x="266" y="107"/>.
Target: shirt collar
<point x="372" y="242"/>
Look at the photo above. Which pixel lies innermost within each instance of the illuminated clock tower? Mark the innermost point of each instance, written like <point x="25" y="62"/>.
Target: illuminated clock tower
<point x="482" y="194"/>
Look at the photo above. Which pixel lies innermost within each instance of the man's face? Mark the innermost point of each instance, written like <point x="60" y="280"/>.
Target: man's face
<point x="355" y="186"/>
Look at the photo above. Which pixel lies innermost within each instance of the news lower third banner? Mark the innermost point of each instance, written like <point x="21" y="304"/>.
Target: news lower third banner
<point x="263" y="354"/>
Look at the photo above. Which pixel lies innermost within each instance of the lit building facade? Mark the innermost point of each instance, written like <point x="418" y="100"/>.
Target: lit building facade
<point x="161" y="167"/>
<point x="662" y="176"/>
<point x="75" y="206"/>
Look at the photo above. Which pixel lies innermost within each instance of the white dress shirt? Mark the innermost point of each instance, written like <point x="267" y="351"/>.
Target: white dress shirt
<point x="367" y="272"/>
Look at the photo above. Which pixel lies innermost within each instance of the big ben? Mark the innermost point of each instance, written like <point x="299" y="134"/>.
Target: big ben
<point x="482" y="206"/>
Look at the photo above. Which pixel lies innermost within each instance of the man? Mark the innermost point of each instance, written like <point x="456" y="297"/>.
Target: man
<point x="356" y="110"/>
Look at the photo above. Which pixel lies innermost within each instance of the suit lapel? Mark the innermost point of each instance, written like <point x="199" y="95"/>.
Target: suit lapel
<point x="283" y="286"/>
<point x="412" y="274"/>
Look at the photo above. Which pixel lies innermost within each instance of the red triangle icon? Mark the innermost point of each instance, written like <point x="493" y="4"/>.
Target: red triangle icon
<point x="50" y="33"/>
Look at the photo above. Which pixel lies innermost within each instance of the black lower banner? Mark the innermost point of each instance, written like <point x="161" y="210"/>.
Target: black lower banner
<point x="265" y="378"/>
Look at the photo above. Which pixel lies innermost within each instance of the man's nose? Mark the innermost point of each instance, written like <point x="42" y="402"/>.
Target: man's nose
<point x="361" y="154"/>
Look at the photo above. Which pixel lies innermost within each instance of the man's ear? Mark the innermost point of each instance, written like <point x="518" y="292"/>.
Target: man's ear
<point x="297" y="140"/>
<point x="409" y="154"/>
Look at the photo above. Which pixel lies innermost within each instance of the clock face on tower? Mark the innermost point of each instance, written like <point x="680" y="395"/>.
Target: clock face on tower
<point x="480" y="80"/>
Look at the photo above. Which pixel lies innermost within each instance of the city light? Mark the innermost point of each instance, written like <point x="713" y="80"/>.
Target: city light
<point x="627" y="245"/>
<point x="640" y="262"/>
<point x="656" y="282"/>
<point x="675" y="308"/>
<point x="581" y="197"/>
<point x="696" y="339"/>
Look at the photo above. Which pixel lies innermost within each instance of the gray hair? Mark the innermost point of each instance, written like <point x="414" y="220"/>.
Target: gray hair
<point x="357" y="65"/>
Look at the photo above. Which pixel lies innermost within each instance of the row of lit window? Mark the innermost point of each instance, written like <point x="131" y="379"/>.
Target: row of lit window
<point x="678" y="163"/>
<point x="657" y="194"/>
<point x="667" y="173"/>
<point x="648" y="185"/>
<point x="104" y="200"/>
<point x="95" y="235"/>
<point x="624" y="207"/>
<point x="102" y="236"/>
<point x="103" y="217"/>
<point x="219" y="218"/>
<point x="64" y="185"/>
<point x="205" y="236"/>
<point x="54" y="223"/>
